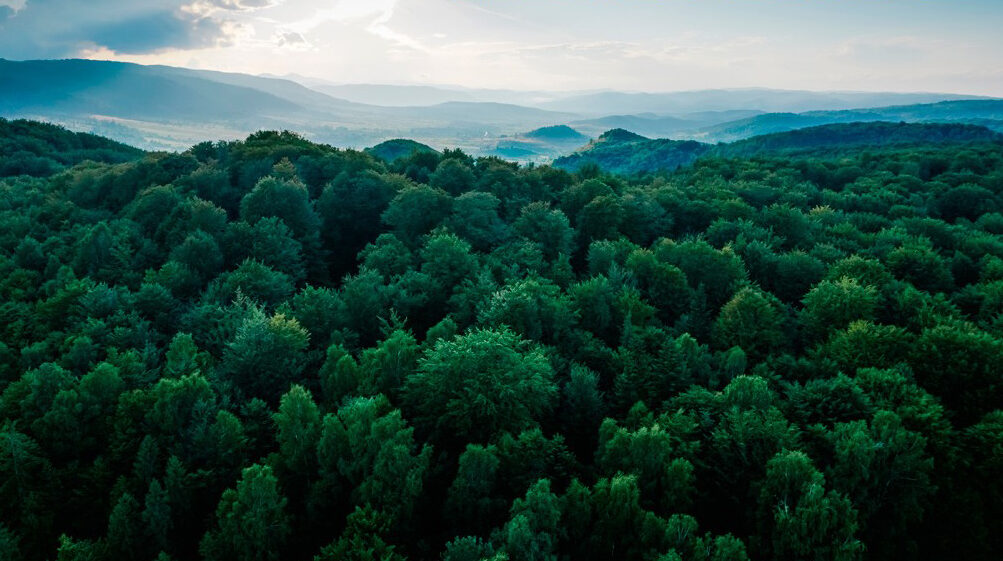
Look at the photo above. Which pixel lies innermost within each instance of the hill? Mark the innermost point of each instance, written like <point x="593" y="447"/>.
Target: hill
<point x="556" y="133"/>
<point x="130" y="91"/>
<point x="540" y="145"/>
<point x="391" y="150"/>
<point x="623" y="152"/>
<point x="837" y="138"/>
<point x="985" y="112"/>
<point x="41" y="149"/>
<point x="664" y="126"/>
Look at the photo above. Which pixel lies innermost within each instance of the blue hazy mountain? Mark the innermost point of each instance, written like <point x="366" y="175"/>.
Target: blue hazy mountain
<point x="163" y="106"/>
<point x="131" y="91"/>
<point x="158" y="107"/>
<point x="758" y="99"/>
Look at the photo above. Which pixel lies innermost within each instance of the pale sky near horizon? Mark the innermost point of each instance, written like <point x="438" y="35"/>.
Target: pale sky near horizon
<point x="639" y="45"/>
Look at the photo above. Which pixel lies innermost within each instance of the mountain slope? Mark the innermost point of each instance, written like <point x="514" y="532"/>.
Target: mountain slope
<point x="279" y="87"/>
<point x="131" y="91"/>
<point x="986" y="112"/>
<point x="556" y="133"/>
<point x="623" y="152"/>
<point x="391" y="150"/>
<point x="163" y="107"/>
<point x="40" y="149"/>
<point x="833" y="138"/>
<point x="540" y="145"/>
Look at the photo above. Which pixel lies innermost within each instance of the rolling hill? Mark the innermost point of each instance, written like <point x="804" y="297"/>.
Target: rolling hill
<point x="984" y="112"/>
<point x="131" y="91"/>
<point x="833" y="138"/>
<point x="391" y="150"/>
<point x="623" y="152"/>
<point x="540" y="145"/>
<point x="41" y="149"/>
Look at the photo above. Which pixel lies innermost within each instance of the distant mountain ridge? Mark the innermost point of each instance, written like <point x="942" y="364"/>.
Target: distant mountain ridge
<point x="129" y="91"/>
<point x="169" y="107"/>
<point x="164" y="107"/>
<point x="759" y="99"/>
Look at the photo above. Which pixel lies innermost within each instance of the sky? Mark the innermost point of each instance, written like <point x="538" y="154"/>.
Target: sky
<point x="634" y="45"/>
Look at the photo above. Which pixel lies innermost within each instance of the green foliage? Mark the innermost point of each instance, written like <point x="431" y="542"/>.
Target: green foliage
<point x="361" y="541"/>
<point x="265" y="355"/>
<point x="751" y="321"/>
<point x="251" y="519"/>
<point x="41" y="149"/>
<point x="369" y="449"/>
<point x="800" y="517"/>
<point x="833" y="305"/>
<point x="274" y="349"/>
<point x="477" y="385"/>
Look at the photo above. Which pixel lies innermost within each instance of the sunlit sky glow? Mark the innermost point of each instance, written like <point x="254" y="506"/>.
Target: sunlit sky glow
<point x="644" y="45"/>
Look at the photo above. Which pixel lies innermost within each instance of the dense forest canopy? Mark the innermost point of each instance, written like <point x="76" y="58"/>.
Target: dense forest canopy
<point x="40" y="149"/>
<point x="274" y="349"/>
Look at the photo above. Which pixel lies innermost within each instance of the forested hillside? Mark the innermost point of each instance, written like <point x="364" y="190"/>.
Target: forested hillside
<point x="273" y="349"/>
<point x="39" y="149"/>
<point x="624" y="152"/>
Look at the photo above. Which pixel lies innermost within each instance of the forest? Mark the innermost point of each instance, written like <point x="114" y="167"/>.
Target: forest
<point x="273" y="349"/>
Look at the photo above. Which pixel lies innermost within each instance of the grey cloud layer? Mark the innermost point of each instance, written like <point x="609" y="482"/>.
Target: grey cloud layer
<point x="64" y="28"/>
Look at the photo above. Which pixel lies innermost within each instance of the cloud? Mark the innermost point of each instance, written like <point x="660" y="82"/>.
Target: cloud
<point x="245" y="4"/>
<point x="291" y="40"/>
<point x="374" y="16"/>
<point x="155" y="31"/>
<point x="66" y="28"/>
